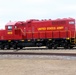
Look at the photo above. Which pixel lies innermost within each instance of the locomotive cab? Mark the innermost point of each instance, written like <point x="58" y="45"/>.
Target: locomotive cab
<point x="10" y="27"/>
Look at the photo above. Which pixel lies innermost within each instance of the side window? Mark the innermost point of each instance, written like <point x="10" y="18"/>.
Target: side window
<point x="15" y="27"/>
<point x="9" y="27"/>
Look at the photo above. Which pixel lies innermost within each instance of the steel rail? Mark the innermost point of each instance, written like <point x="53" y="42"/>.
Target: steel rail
<point x="38" y="48"/>
<point x="37" y="53"/>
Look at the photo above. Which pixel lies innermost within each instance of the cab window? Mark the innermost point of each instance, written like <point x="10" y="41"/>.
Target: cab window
<point x="9" y="27"/>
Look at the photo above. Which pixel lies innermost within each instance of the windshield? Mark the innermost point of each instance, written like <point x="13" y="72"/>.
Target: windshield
<point x="9" y="27"/>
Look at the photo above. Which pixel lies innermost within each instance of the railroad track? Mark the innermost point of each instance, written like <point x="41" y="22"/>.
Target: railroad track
<point x="45" y="48"/>
<point x="34" y="51"/>
<point x="37" y="53"/>
<point x="41" y="48"/>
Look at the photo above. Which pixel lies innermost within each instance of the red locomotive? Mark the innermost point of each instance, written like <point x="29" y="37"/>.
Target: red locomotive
<point x="49" y="33"/>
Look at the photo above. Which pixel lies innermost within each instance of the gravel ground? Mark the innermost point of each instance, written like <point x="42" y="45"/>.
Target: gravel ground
<point x="37" y="67"/>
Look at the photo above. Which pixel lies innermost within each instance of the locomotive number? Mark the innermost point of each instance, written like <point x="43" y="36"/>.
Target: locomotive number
<point x="9" y="33"/>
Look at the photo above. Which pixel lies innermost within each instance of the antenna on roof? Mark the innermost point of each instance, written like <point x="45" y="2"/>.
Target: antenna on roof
<point x="10" y="21"/>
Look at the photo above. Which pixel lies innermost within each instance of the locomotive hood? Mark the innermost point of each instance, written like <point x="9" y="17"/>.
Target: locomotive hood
<point x="15" y="23"/>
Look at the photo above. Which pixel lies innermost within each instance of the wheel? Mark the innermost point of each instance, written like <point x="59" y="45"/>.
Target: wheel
<point x="71" y="47"/>
<point x="14" y="46"/>
<point x="21" y="47"/>
<point x="2" y="47"/>
<point x="65" y="47"/>
<point x="7" y="46"/>
<point x="55" y="46"/>
<point x="49" y="46"/>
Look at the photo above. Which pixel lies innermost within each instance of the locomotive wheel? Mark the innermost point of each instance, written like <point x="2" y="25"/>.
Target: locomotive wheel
<point x="65" y="47"/>
<point x="2" y="47"/>
<point x="14" y="46"/>
<point x="71" y="47"/>
<point x="7" y="46"/>
<point x="21" y="47"/>
<point x="49" y="46"/>
<point x="55" y="46"/>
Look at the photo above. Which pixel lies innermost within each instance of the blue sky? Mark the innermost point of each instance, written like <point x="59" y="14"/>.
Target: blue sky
<point x="16" y="10"/>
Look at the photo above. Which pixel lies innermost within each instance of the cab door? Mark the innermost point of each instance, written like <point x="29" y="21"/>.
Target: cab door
<point x="9" y="32"/>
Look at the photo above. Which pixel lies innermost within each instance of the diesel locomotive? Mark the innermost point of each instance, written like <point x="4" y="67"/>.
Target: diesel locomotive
<point x="35" y="33"/>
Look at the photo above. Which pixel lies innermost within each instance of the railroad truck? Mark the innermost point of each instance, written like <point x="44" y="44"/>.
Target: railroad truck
<point x="35" y="33"/>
